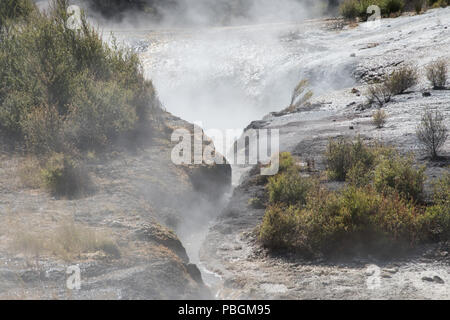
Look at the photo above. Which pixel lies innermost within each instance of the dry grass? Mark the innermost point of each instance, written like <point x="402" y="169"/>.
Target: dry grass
<point x="67" y="241"/>
<point x="437" y="73"/>
<point x="379" y="118"/>
<point x="29" y="172"/>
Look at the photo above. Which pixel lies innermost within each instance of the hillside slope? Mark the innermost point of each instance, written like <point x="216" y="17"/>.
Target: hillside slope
<point x="231" y="248"/>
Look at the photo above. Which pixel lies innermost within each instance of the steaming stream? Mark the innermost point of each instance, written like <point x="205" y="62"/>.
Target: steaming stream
<point x="226" y="77"/>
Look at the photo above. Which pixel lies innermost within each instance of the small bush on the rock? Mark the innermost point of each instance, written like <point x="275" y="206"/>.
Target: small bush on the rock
<point x="379" y="118"/>
<point x="432" y="132"/>
<point x="437" y="73"/>
<point x="401" y="80"/>
<point x="65" y="177"/>
<point x="397" y="174"/>
<point x="379" y="94"/>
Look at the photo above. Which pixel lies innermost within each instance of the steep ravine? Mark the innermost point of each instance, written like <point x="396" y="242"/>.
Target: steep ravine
<point x="227" y="77"/>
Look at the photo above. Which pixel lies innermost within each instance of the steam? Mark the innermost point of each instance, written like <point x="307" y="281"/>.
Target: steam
<point x="225" y="63"/>
<point x="237" y="12"/>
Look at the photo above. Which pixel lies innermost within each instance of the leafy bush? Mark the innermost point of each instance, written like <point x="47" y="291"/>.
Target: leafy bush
<point x="432" y="132"/>
<point x="14" y="9"/>
<point x="439" y="3"/>
<point x="437" y="73"/>
<point x="341" y="155"/>
<point x="351" y="9"/>
<point x="378" y="212"/>
<point x="353" y="220"/>
<point x="359" y="175"/>
<point x="65" y="177"/>
<point x="435" y="223"/>
<point x="289" y="188"/>
<point x="379" y="118"/>
<point x="63" y="90"/>
<point x="397" y="174"/>
<point x="401" y="80"/>
<point x="436" y="220"/>
<point x="393" y="6"/>
<point x="279" y="228"/>
<point x="441" y="191"/>
<point x="286" y="161"/>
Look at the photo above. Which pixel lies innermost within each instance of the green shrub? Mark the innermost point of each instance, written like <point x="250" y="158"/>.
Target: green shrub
<point x="436" y="220"/>
<point x="441" y="191"/>
<point x="286" y="161"/>
<point x="393" y="6"/>
<point x="354" y="220"/>
<point x="341" y="155"/>
<point x="279" y="228"/>
<point x="418" y="5"/>
<point x="397" y="174"/>
<point x="65" y="177"/>
<point x="60" y="87"/>
<point x="289" y="188"/>
<point x="14" y="9"/>
<point x="359" y="175"/>
<point x="435" y="223"/>
<point x="351" y="9"/>
<point x="439" y="3"/>
<point x="42" y="129"/>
